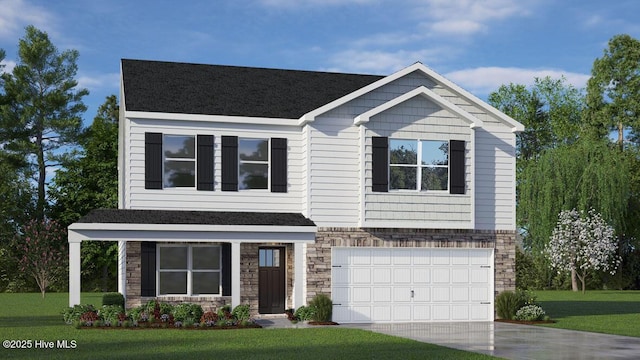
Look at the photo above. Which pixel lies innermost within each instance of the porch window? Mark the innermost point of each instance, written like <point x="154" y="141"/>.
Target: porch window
<point x="189" y="270"/>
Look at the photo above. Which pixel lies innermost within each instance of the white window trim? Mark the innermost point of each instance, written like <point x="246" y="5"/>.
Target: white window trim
<point x="189" y="269"/>
<point x="268" y="163"/>
<point x="194" y="161"/>
<point x="419" y="167"/>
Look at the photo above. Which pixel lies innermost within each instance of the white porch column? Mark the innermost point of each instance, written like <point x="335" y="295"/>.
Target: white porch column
<point x="74" y="268"/>
<point x="122" y="268"/>
<point x="299" y="274"/>
<point x="235" y="274"/>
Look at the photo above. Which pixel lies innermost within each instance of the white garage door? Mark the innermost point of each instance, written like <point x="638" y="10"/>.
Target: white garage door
<point x="404" y="285"/>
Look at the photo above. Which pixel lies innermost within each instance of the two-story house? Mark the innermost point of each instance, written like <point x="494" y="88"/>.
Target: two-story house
<point x="394" y="195"/>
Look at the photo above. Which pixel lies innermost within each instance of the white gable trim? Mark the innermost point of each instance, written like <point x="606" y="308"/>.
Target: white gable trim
<point x="311" y="116"/>
<point x="473" y="121"/>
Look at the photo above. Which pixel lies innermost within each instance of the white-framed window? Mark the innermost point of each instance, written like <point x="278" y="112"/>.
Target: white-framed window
<point x="189" y="269"/>
<point x="179" y="161"/>
<point x="253" y="163"/>
<point x="421" y="165"/>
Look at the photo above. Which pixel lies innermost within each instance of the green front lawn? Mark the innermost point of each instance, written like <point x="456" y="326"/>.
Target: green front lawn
<point x="610" y="312"/>
<point x="29" y="317"/>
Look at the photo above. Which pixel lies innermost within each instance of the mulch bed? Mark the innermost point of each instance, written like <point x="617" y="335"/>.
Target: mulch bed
<point x="322" y="323"/>
<point x="255" y="326"/>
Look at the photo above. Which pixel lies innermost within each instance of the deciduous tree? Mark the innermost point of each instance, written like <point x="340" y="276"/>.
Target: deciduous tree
<point x="582" y="242"/>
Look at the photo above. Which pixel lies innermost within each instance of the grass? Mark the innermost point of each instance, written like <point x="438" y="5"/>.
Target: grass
<point x="610" y="312"/>
<point x="29" y="317"/>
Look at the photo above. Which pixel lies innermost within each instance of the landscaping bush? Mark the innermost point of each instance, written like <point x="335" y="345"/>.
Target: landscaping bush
<point x="304" y="313"/>
<point x="530" y="313"/>
<point x="508" y="303"/>
<point x="323" y="308"/>
<point x="110" y="314"/>
<point x="224" y="312"/>
<point x="187" y="312"/>
<point x="72" y="314"/>
<point x="241" y="312"/>
<point x="113" y="298"/>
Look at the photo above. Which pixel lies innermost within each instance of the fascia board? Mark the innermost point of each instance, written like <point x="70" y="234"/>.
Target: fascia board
<point x="211" y="118"/>
<point x="193" y="228"/>
<point x="473" y="121"/>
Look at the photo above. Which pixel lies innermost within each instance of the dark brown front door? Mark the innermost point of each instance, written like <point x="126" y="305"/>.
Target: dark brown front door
<point x="271" y="289"/>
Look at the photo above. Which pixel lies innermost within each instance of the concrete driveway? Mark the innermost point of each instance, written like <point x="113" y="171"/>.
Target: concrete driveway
<point x="512" y="341"/>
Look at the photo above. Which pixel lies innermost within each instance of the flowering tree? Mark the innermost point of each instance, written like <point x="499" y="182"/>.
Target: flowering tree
<point x="581" y="243"/>
<point x="43" y="252"/>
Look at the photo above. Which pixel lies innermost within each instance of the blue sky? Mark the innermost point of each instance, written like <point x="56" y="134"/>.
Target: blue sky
<point x="477" y="44"/>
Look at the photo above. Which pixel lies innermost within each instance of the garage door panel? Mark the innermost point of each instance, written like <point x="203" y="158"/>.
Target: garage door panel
<point x="401" y="294"/>
<point x="441" y="276"/>
<point x="382" y="275"/>
<point x="441" y="294"/>
<point x="421" y="294"/>
<point x="421" y="275"/>
<point x="408" y="284"/>
<point x="402" y="275"/>
<point x="361" y="294"/>
<point x="460" y="275"/>
<point x="401" y="312"/>
<point x="361" y="276"/>
<point x="402" y="257"/>
<point x="382" y="257"/>
<point x="381" y="294"/>
<point x="421" y="257"/>
<point x="382" y="313"/>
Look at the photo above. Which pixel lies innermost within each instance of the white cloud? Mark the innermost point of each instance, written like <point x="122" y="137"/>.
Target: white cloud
<point x="467" y="17"/>
<point x="483" y="80"/>
<point x="93" y="82"/>
<point x="17" y="14"/>
<point x="380" y="62"/>
<point x="8" y="66"/>
<point x="299" y="3"/>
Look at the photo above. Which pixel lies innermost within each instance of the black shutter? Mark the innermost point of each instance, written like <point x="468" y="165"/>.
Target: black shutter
<point x="456" y="167"/>
<point x="226" y="269"/>
<point x="205" y="162"/>
<point x="229" y="163"/>
<point x="152" y="160"/>
<point x="148" y="268"/>
<point x="279" y="165"/>
<point x="380" y="164"/>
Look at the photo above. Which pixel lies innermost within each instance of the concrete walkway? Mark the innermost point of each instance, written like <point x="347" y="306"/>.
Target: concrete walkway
<point x="503" y="340"/>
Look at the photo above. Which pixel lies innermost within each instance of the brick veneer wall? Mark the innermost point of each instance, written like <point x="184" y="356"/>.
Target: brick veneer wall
<point x="319" y="253"/>
<point x="248" y="280"/>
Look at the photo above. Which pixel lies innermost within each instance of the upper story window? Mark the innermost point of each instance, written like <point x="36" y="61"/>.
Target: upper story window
<point x="250" y="163"/>
<point x="179" y="161"/>
<point x="253" y="169"/>
<point x="418" y="165"/>
<point x="421" y="165"/>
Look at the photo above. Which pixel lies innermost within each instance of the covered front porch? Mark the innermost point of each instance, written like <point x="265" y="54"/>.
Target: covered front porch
<point x="154" y="228"/>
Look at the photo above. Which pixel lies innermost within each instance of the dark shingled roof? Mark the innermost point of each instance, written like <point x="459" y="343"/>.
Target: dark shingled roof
<point x="155" y="86"/>
<point x="123" y="216"/>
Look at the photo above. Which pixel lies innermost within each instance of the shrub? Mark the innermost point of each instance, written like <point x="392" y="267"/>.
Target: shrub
<point x="110" y="313"/>
<point x="113" y="298"/>
<point x="72" y="314"/>
<point x="187" y="311"/>
<point x="530" y="313"/>
<point x="241" y="312"/>
<point x="323" y="307"/>
<point x="507" y="304"/>
<point x="224" y="312"/>
<point x="209" y="318"/>
<point x="89" y="318"/>
<point x="304" y="313"/>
